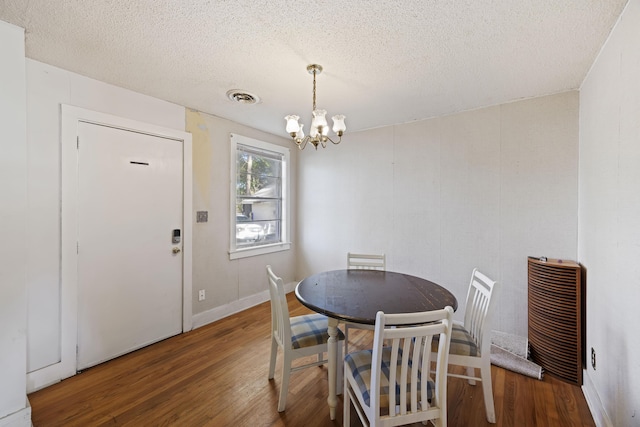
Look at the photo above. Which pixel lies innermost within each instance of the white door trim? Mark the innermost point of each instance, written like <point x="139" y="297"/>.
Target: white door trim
<point x="70" y="117"/>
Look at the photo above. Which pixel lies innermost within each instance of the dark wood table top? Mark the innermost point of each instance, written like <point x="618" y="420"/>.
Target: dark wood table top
<point x="357" y="295"/>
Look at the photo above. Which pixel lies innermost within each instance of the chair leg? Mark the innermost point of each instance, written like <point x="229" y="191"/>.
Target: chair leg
<point x="346" y="338"/>
<point x="441" y="421"/>
<point x="487" y="391"/>
<point x="346" y="404"/>
<point x="272" y="361"/>
<point x="284" y="384"/>
<point x="471" y="372"/>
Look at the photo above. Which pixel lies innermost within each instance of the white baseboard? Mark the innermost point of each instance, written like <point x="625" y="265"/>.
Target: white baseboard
<point x="598" y="413"/>
<point x="44" y="377"/>
<point x="226" y="310"/>
<point x="21" y="418"/>
<point x="49" y="375"/>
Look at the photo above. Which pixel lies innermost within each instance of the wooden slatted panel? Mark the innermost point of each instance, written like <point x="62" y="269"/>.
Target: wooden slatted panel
<point x="555" y="317"/>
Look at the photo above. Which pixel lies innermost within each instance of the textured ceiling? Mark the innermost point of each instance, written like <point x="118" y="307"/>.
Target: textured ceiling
<point x="385" y="62"/>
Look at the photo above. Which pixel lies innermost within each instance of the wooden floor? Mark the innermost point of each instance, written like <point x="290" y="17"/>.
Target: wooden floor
<point x="217" y="376"/>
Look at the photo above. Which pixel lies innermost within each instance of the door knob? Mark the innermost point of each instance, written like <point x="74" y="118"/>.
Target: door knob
<point x="176" y="250"/>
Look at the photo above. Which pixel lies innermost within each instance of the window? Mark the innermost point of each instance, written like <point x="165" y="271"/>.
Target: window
<point x="259" y="197"/>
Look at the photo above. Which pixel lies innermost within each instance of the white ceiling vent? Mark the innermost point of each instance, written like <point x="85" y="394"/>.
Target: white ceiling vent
<point x="243" y="97"/>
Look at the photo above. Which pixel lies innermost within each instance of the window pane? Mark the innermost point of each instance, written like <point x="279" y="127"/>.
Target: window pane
<point x="259" y="210"/>
<point x="272" y="231"/>
<point x="261" y="187"/>
<point x="267" y="164"/>
<point x="255" y="233"/>
<point x="248" y="233"/>
<point x="258" y="176"/>
<point x="259" y="166"/>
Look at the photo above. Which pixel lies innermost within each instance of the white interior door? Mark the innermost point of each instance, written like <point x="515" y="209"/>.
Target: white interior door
<point x="130" y="199"/>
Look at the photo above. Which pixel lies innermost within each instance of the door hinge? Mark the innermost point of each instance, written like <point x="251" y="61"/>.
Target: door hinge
<point x="77" y="248"/>
<point x="78" y="142"/>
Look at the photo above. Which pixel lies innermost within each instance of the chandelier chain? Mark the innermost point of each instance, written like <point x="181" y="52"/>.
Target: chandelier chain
<point x="314" y="90"/>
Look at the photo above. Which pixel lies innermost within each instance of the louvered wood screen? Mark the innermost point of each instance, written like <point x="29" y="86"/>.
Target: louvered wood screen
<point x="555" y="317"/>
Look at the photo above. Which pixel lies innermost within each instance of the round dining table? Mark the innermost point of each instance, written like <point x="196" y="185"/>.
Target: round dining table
<point x="357" y="295"/>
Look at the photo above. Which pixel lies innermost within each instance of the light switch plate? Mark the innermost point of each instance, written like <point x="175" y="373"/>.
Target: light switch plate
<point x="202" y="216"/>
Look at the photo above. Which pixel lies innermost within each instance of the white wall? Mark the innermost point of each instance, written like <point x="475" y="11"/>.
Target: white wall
<point x="484" y="188"/>
<point x="47" y="88"/>
<point x="230" y="285"/>
<point x="14" y="408"/>
<point x="609" y="222"/>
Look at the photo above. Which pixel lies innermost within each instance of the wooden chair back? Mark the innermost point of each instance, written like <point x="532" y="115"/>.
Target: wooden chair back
<point x="366" y="261"/>
<point x="478" y="310"/>
<point x="280" y="320"/>
<point x="404" y="340"/>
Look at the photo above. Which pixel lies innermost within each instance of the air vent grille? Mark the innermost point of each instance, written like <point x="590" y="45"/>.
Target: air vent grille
<point x="555" y="317"/>
<point x="242" y="97"/>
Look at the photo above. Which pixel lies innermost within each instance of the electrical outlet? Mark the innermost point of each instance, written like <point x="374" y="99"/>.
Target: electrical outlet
<point x="201" y="295"/>
<point x="593" y="358"/>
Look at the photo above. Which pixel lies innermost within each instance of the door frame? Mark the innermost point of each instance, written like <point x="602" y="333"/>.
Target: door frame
<point x="70" y="118"/>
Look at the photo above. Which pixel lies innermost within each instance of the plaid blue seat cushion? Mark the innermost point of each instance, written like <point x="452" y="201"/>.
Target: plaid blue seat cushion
<point x="310" y="330"/>
<point x="359" y="363"/>
<point x="461" y="342"/>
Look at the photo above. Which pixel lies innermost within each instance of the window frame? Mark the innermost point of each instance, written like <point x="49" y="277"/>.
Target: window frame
<point x="284" y="243"/>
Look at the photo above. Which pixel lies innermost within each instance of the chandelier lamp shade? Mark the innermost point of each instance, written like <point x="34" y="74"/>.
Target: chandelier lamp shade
<point x="318" y="133"/>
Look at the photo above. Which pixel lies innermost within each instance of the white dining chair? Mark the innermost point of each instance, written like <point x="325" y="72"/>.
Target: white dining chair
<point x="471" y="339"/>
<point x="357" y="261"/>
<point x="392" y="384"/>
<point x="298" y="336"/>
<point x="366" y="261"/>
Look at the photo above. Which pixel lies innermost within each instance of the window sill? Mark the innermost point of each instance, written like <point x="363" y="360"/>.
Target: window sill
<point x="260" y="250"/>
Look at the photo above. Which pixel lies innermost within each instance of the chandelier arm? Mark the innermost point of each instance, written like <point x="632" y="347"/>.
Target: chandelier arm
<point x="302" y="142"/>
<point x="327" y="138"/>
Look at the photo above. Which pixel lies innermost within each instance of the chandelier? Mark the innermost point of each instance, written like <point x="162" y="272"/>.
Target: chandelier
<point x="319" y="126"/>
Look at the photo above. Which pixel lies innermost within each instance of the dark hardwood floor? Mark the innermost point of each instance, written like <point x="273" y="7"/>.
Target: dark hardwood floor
<point x="217" y="376"/>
